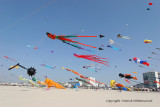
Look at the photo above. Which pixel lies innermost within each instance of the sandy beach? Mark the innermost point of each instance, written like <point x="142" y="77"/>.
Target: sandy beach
<point x="40" y="97"/>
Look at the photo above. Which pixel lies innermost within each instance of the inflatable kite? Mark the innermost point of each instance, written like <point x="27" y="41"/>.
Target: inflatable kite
<point x="93" y="58"/>
<point x="124" y="37"/>
<point x="140" y="61"/>
<point x="81" y="76"/>
<point x="147" y="41"/>
<point x="127" y="76"/>
<point x="113" y="84"/>
<point x="113" y="48"/>
<point x="30" y="71"/>
<point x="65" y="38"/>
<point x="28" y="81"/>
<point x="51" y="83"/>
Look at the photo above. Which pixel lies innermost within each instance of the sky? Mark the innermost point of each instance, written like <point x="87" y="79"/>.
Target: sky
<point x="25" y="22"/>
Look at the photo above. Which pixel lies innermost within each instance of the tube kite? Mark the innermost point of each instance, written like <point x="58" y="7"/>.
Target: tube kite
<point x="65" y="38"/>
<point x="124" y="37"/>
<point x="81" y="76"/>
<point x="128" y="76"/>
<point x="76" y="46"/>
<point x="93" y="58"/>
<point x="48" y="66"/>
<point x="140" y="61"/>
<point x="113" y="48"/>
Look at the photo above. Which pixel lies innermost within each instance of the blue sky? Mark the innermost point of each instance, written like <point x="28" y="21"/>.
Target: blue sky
<point x="26" y="22"/>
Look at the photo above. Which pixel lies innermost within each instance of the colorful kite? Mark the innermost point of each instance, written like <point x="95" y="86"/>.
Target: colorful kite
<point x="113" y="48"/>
<point x="147" y="41"/>
<point x="124" y="37"/>
<point x="113" y="84"/>
<point x="128" y="76"/>
<point x="91" y="67"/>
<point x="93" y="58"/>
<point x="10" y="58"/>
<point x="48" y="66"/>
<point x="76" y="46"/>
<point x="127" y="81"/>
<point x="65" y="38"/>
<point x="81" y="76"/>
<point x="140" y="61"/>
<point x="51" y="83"/>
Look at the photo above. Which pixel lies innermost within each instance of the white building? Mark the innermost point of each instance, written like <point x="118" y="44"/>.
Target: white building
<point x="150" y="78"/>
<point x="92" y="82"/>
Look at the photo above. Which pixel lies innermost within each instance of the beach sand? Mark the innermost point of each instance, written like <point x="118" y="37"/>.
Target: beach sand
<point x="14" y="96"/>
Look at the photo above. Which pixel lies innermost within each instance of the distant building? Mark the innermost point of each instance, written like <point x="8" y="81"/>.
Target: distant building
<point x="92" y="82"/>
<point x="149" y="78"/>
<point x="141" y="85"/>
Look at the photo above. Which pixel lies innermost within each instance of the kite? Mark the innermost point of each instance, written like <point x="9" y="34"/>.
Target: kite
<point x="147" y="41"/>
<point x="81" y="76"/>
<point x="30" y="71"/>
<point x="140" y="61"/>
<point x="15" y="67"/>
<point x="29" y="46"/>
<point x="128" y="76"/>
<point x="100" y="48"/>
<point x="124" y="37"/>
<point x="113" y="48"/>
<point x="111" y="41"/>
<point x="51" y="51"/>
<point x="130" y="59"/>
<point x="150" y="3"/>
<point x="28" y="81"/>
<point x="101" y="36"/>
<point x="158" y="48"/>
<point x="65" y="38"/>
<point x="10" y="58"/>
<point x="92" y="68"/>
<point x="127" y="81"/>
<point x="157" y="82"/>
<point x="148" y="8"/>
<point x="48" y="66"/>
<point x="135" y="72"/>
<point x="76" y="46"/>
<point x="156" y="78"/>
<point x="93" y="58"/>
<point x="113" y="84"/>
<point x="51" y="83"/>
<point x="84" y="81"/>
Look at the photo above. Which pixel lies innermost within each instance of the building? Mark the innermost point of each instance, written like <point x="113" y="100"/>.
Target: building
<point x="92" y="82"/>
<point x="150" y="78"/>
<point x="140" y="85"/>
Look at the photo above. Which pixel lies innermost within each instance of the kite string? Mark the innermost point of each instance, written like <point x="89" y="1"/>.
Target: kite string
<point x="28" y="15"/>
